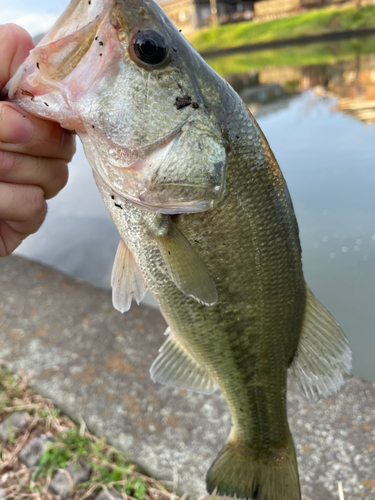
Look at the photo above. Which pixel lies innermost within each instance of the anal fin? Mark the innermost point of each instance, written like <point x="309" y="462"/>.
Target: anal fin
<point x="323" y="354"/>
<point x="176" y="367"/>
<point x="127" y="280"/>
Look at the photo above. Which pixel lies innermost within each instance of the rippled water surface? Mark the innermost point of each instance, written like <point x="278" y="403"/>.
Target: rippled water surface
<point x="317" y="108"/>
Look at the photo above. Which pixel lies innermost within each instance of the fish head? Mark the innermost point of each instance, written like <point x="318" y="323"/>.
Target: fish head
<point x="143" y="102"/>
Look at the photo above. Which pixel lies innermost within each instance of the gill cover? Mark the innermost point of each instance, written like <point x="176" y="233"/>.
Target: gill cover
<point x="185" y="175"/>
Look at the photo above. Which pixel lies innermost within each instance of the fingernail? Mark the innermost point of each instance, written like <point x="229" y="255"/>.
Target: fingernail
<point x="15" y="128"/>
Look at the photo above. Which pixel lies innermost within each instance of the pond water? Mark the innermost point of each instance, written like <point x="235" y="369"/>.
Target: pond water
<point x="316" y="106"/>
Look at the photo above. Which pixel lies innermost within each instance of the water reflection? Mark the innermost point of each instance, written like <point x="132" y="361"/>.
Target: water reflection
<point x="341" y="70"/>
<point x="312" y="115"/>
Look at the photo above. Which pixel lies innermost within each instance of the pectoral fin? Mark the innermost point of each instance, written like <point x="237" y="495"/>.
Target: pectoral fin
<point x="323" y="353"/>
<point x="176" y="367"/>
<point x="184" y="265"/>
<point x="127" y="280"/>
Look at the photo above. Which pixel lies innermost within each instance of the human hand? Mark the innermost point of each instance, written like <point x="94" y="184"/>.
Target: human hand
<point x="34" y="153"/>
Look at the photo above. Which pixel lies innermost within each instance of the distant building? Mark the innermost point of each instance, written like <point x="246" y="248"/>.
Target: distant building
<point x="270" y="8"/>
<point x="190" y="15"/>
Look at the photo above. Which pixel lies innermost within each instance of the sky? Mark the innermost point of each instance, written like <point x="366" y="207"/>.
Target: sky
<point x="36" y="16"/>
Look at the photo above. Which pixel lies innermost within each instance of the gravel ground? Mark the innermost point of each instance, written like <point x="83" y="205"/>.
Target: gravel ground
<point x="46" y="456"/>
<point x="93" y="363"/>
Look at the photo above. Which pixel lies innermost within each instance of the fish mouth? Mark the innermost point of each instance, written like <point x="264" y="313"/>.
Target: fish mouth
<point x="62" y="49"/>
<point x="77" y="17"/>
<point x="53" y="79"/>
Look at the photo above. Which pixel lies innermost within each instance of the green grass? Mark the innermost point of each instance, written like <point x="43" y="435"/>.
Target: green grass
<point x="110" y="467"/>
<point x="9" y="389"/>
<point x="308" y="23"/>
<point x="319" y="53"/>
<point x="57" y="454"/>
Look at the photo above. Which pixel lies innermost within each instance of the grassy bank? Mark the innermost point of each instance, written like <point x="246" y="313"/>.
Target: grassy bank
<point x="308" y="23"/>
<point x="306" y="55"/>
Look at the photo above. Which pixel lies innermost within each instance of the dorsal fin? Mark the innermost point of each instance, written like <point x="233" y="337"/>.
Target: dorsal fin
<point x="184" y="265"/>
<point x="176" y="367"/>
<point x="323" y="354"/>
<point x="127" y="280"/>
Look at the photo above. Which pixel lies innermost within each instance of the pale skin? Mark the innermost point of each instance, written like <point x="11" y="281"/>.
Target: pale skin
<point x="34" y="153"/>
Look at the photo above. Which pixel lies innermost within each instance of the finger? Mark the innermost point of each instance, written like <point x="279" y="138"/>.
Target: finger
<point x="21" y="203"/>
<point x="23" y="133"/>
<point x="49" y="174"/>
<point x="9" y="239"/>
<point x="15" y="45"/>
<point x="12" y="233"/>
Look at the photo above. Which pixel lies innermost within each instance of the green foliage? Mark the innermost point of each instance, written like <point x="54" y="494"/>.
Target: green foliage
<point x="111" y="471"/>
<point x="109" y="468"/>
<point x="77" y="443"/>
<point x="71" y="444"/>
<point x="136" y="488"/>
<point x="291" y="86"/>
<point x="54" y="457"/>
<point x="9" y="389"/>
<point x="48" y="412"/>
<point x="307" y="23"/>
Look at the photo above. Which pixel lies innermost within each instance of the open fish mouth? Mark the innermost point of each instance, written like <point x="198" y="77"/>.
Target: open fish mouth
<point x="79" y="17"/>
<point x="56" y="72"/>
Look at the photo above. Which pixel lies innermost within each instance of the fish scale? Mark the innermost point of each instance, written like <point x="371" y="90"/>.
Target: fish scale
<point x="206" y="224"/>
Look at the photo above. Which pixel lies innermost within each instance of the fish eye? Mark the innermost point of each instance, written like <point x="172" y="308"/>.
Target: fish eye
<point x="150" y="47"/>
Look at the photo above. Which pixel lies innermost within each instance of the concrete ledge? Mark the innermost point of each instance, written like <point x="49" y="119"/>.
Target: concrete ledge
<point x="93" y="362"/>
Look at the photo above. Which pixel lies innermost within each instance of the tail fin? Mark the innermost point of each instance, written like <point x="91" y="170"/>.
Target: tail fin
<point x="269" y="474"/>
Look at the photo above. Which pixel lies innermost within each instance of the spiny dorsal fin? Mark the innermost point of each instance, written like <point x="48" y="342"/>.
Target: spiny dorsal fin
<point x="185" y="267"/>
<point x="323" y="354"/>
<point x="176" y="367"/>
<point x="127" y="280"/>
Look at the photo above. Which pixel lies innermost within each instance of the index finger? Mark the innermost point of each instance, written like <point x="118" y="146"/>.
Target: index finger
<point x="48" y="140"/>
<point x="15" y="45"/>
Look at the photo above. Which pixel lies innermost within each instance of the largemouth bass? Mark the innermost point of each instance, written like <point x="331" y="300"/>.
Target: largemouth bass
<point x="206" y="223"/>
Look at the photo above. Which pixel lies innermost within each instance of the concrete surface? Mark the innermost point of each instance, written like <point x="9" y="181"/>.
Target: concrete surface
<point x="33" y="450"/>
<point x="12" y="424"/>
<point x="93" y="363"/>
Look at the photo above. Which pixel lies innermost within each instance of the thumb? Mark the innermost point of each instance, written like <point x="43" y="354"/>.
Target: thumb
<point x="15" y="45"/>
